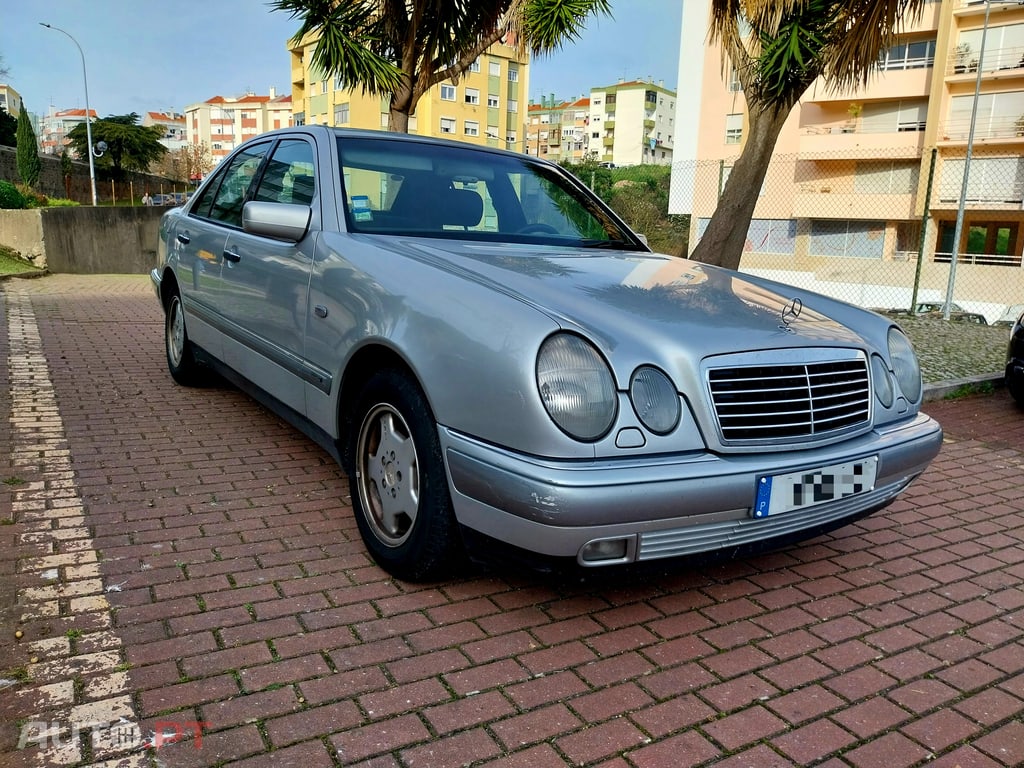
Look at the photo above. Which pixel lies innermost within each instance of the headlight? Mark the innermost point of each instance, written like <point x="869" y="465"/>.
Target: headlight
<point x="904" y="365"/>
<point x="654" y="399"/>
<point x="576" y="386"/>
<point x="882" y="381"/>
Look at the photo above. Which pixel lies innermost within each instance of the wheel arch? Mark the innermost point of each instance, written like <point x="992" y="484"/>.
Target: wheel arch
<point x="364" y="363"/>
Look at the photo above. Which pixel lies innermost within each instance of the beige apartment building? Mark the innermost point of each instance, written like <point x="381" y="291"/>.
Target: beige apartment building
<point x="558" y="131"/>
<point x="632" y="123"/>
<point x="485" y="106"/>
<point x="223" y="123"/>
<point x="55" y="126"/>
<point x="172" y="124"/>
<point x="852" y="183"/>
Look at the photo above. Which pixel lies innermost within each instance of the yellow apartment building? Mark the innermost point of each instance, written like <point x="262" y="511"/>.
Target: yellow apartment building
<point x="486" y="106"/>
<point x="852" y="185"/>
<point x="10" y="100"/>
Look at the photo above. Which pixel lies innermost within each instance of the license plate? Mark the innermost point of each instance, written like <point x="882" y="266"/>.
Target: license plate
<point x="797" y="490"/>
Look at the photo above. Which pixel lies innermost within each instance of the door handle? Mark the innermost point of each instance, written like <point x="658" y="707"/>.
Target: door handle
<point x="232" y="256"/>
<point x="184" y="238"/>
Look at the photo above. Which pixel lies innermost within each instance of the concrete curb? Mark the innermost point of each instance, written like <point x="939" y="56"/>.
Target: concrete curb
<point x="938" y="390"/>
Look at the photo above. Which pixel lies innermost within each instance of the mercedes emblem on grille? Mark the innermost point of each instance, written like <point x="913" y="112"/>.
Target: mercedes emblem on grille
<point x="791" y="312"/>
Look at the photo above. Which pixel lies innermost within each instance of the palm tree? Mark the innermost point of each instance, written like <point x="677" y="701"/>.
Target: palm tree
<point x="778" y="48"/>
<point x="402" y="48"/>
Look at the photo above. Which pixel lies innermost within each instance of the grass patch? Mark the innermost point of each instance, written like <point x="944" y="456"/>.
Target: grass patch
<point x="969" y="390"/>
<point x="12" y="264"/>
<point x="13" y="481"/>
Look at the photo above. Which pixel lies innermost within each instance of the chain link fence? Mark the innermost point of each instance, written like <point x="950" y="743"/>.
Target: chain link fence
<point x="877" y="231"/>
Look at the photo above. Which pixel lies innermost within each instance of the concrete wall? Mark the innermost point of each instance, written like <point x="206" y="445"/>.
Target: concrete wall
<point x="51" y="180"/>
<point x="85" y="240"/>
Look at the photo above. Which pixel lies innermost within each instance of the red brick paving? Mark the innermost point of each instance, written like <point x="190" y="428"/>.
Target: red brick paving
<point x="249" y="603"/>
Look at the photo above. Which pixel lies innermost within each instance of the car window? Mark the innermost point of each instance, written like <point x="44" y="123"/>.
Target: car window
<point x="223" y="198"/>
<point x="420" y="188"/>
<point x="288" y="177"/>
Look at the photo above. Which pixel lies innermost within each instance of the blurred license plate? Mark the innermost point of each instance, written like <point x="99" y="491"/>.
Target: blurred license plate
<point x="782" y="493"/>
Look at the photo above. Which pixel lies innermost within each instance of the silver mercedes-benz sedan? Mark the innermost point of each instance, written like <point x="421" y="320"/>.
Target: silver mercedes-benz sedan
<point x="495" y="358"/>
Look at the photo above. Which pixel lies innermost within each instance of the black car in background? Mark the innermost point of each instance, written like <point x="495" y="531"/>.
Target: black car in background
<point x="1015" y="360"/>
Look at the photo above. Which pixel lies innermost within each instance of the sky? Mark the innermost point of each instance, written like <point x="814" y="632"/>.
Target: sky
<point x="144" y="56"/>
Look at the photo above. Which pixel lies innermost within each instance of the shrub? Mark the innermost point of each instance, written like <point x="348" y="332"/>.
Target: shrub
<point x="10" y="197"/>
<point x="61" y="202"/>
<point x="33" y="199"/>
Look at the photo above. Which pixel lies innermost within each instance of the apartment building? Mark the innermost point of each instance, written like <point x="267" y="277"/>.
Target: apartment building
<point x="55" y="126"/>
<point x="632" y="123"/>
<point x="558" y="131"/>
<point x="172" y="124"/>
<point x="852" y="171"/>
<point x="223" y="123"/>
<point x="10" y="100"/>
<point x="485" y="106"/>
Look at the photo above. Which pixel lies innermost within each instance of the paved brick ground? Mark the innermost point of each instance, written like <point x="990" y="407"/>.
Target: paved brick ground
<point x="235" y="592"/>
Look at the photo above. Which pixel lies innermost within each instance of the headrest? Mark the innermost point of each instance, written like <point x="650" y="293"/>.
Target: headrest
<point x="461" y="207"/>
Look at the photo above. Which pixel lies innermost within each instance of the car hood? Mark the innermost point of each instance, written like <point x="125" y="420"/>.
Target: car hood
<point x="614" y="293"/>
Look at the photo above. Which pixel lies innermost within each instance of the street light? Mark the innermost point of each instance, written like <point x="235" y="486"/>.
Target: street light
<point x="88" y="112"/>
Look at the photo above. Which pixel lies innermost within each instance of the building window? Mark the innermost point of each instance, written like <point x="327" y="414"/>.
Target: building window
<point x="475" y="66"/>
<point x="513" y="105"/>
<point x="733" y="128"/>
<point x="886" y="177"/>
<point x="447" y="125"/>
<point x="513" y="75"/>
<point x="734" y="81"/>
<point x="341" y="114"/>
<point x="471" y="128"/>
<point x="492" y="132"/>
<point x="510" y="138"/>
<point x="447" y="92"/>
<point x="991" y="180"/>
<point x="908" y="55"/>
<point x="323" y="86"/>
<point x="848" y="239"/>
<point x="494" y="69"/>
<point x="472" y="96"/>
<point x="492" y="100"/>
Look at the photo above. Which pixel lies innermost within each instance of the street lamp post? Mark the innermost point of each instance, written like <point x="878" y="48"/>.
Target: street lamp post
<point x="88" y="112"/>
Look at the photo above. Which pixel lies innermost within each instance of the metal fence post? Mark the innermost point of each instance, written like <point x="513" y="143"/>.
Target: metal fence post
<point x="924" y="231"/>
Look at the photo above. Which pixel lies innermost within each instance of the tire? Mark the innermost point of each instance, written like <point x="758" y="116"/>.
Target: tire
<point x="1015" y="383"/>
<point x="181" y="359"/>
<point x="399" y="485"/>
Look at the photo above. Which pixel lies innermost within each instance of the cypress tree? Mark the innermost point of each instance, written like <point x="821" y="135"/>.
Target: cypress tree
<point x="29" y="165"/>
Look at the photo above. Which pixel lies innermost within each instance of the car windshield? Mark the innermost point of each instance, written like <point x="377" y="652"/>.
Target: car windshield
<point x="433" y="190"/>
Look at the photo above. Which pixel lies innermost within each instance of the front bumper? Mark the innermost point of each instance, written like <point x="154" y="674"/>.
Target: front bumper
<point x="664" y="506"/>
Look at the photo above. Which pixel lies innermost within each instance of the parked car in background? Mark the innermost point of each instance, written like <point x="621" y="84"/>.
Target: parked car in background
<point x="1015" y="359"/>
<point x="497" y="360"/>
<point x="1010" y="315"/>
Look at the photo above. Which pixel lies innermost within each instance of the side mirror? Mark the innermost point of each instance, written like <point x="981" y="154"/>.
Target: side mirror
<point x="281" y="221"/>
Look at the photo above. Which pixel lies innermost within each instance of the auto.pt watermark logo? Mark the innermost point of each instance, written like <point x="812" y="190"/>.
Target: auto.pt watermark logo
<point x="111" y="736"/>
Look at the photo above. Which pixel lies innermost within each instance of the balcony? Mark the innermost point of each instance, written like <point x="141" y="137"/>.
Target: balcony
<point x="608" y="141"/>
<point x="912" y="79"/>
<point x="814" y="200"/>
<point x="1008" y="129"/>
<point x="838" y="141"/>
<point x="609" y="125"/>
<point x="998" y="64"/>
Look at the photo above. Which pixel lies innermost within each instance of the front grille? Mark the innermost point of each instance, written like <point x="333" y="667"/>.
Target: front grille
<point x="785" y="402"/>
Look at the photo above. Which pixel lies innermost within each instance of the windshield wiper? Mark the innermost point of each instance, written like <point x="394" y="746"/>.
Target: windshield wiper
<point x="612" y="245"/>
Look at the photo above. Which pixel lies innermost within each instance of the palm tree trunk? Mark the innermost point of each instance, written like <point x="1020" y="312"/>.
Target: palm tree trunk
<point x="723" y="242"/>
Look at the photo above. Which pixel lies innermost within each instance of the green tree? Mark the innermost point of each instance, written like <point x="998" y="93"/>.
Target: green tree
<point x="402" y="48"/>
<point x="130" y="146"/>
<point x="66" y="170"/>
<point x="777" y="49"/>
<point x="27" y="155"/>
<point x="8" y="129"/>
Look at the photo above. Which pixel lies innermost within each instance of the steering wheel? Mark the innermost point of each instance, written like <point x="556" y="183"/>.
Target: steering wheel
<point x="536" y="229"/>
